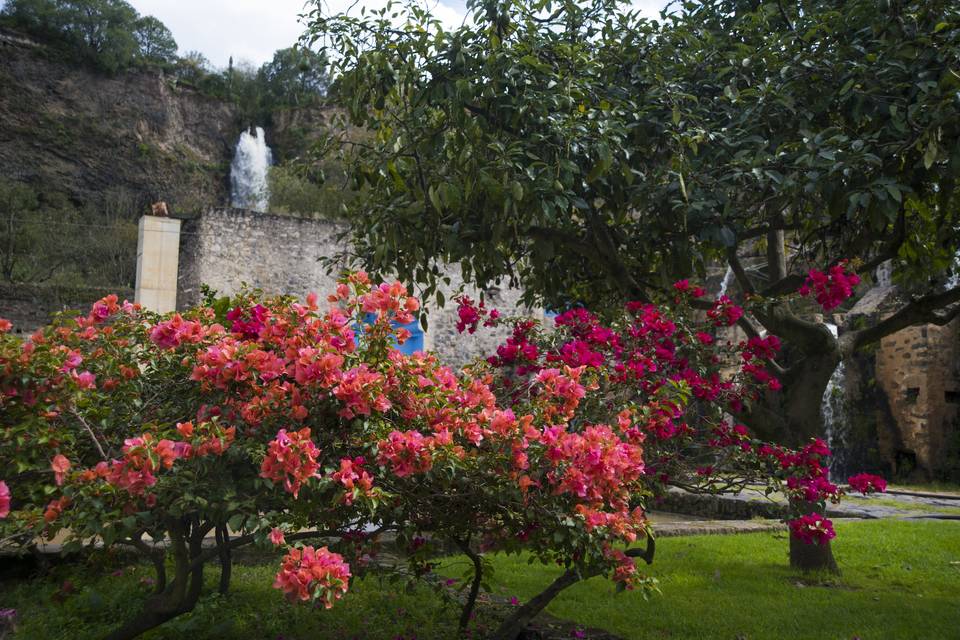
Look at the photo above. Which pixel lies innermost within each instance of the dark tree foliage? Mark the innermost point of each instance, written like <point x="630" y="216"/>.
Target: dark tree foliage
<point x="155" y="40"/>
<point x="296" y="76"/>
<point x="109" y="34"/>
<point x="590" y="155"/>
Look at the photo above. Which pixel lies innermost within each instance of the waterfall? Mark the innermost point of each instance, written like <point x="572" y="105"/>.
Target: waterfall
<point x="883" y="276"/>
<point x="249" y="188"/>
<point x="833" y="412"/>
<point x="725" y="284"/>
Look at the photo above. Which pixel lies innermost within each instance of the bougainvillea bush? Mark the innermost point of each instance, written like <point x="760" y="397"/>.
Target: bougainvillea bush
<point x="270" y="421"/>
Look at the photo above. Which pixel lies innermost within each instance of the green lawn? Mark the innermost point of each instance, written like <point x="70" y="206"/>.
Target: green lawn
<point x="901" y="579"/>
<point x="253" y="610"/>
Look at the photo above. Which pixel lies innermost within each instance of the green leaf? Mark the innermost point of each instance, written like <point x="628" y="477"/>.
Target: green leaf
<point x="930" y="155"/>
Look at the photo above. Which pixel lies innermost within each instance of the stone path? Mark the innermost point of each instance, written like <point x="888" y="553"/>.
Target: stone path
<point x="666" y="525"/>
<point x="751" y="503"/>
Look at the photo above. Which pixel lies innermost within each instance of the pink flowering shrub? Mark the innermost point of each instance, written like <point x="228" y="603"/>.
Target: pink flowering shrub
<point x="812" y="528"/>
<point x="268" y="421"/>
<point x="658" y="369"/>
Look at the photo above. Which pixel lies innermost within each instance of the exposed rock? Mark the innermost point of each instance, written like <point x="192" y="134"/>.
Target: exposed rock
<point x="81" y="132"/>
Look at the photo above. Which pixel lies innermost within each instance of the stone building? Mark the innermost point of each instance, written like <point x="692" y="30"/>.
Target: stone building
<point x="904" y="408"/>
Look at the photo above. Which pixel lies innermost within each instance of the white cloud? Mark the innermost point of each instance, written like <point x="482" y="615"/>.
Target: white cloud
<point x="253" y="29"/>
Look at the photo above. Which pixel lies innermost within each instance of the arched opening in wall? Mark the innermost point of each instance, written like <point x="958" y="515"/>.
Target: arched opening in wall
<point x="912" y="395"/>
<point x="905" y="462"/>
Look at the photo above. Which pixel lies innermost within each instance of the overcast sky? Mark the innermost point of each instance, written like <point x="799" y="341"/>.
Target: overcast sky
<point x="253" y="29"/>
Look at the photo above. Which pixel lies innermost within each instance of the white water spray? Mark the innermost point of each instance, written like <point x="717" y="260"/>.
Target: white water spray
<point x="884" y="274"/>
<point x="833" y="411"/>
<point x="249" y="188"/>
<point x="725" y="284"/>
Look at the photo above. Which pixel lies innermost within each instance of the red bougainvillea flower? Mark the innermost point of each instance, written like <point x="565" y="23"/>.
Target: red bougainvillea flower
<point x="4" y="499"/>
<point x="812" y="528"/>
<point x="5" y="325"/>
<point x="832" y="288"/>
<point x="867" y="483"/>
<point x="313" y="574"/>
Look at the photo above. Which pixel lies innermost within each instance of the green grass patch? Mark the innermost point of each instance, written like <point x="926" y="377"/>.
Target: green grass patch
<point x="373" y="609"/>
<point x="900" y="580"/>
<point x="934" y="487"/>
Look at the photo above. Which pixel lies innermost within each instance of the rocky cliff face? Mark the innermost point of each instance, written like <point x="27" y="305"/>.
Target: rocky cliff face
<point x="81" y="132"/>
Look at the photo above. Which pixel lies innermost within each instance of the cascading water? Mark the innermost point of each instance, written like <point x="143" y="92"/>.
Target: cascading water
<point x="725" y="283"/>
<point x="249" y="188"/>
<point x="833" y="412"/>
<point x="883" y="276"/>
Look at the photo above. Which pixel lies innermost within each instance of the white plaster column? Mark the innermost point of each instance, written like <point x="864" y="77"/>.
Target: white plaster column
<point x="158" y="259"/>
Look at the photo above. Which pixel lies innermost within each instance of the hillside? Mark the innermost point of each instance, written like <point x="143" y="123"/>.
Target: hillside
<point x="81" y="132"/>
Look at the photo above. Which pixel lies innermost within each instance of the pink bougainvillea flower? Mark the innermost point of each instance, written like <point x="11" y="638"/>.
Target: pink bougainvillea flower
<point x="4" y="499"/>
<point x="830" y="289"/>
<point x="276" y="537"/>
<point x="60" y="465"/>
<point x="812" y="528"/>
<point x="313" y="574"/>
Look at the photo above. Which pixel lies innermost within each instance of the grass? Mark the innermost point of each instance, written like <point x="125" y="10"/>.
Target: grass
<point x="935" y="487"/>
<point x="900" y="580"/>
<point x="373" y="609"/>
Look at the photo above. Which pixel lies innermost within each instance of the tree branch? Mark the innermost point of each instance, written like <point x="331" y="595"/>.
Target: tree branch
<point x="925" y="310"/>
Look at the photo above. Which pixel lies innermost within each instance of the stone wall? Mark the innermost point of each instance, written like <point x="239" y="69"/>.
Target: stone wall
<point x="917" y="369"/>
<point x="225" y="248"/>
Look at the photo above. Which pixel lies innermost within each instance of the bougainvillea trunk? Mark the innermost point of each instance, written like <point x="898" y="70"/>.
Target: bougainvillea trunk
<point x="180" y="596"/>
<point x="512" y="627"/>
<point x="817" y="556"/>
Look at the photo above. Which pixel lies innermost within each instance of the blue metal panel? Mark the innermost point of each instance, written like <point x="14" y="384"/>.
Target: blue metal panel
<point x="414" y="342"/>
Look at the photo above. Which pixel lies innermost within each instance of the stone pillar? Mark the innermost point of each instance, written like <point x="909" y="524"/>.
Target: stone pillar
<point x="158" y="258"/>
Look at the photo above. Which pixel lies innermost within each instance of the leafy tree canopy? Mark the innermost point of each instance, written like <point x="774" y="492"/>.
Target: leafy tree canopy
<point x="109" y="33"/>
<point x="589" y="155"/>
<point x="587" y="152"/>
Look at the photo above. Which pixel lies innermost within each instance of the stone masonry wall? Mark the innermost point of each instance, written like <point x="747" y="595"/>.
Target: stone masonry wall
<point x="224" y="248"/>
<point x="917" y="368"/>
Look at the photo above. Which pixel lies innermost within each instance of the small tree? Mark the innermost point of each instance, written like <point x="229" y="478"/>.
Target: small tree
<point x="155" y="41"/>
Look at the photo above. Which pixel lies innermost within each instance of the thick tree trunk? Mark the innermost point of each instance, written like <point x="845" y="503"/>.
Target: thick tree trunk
<point x="791" y="416"/>
<point x="812" y="557"/>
